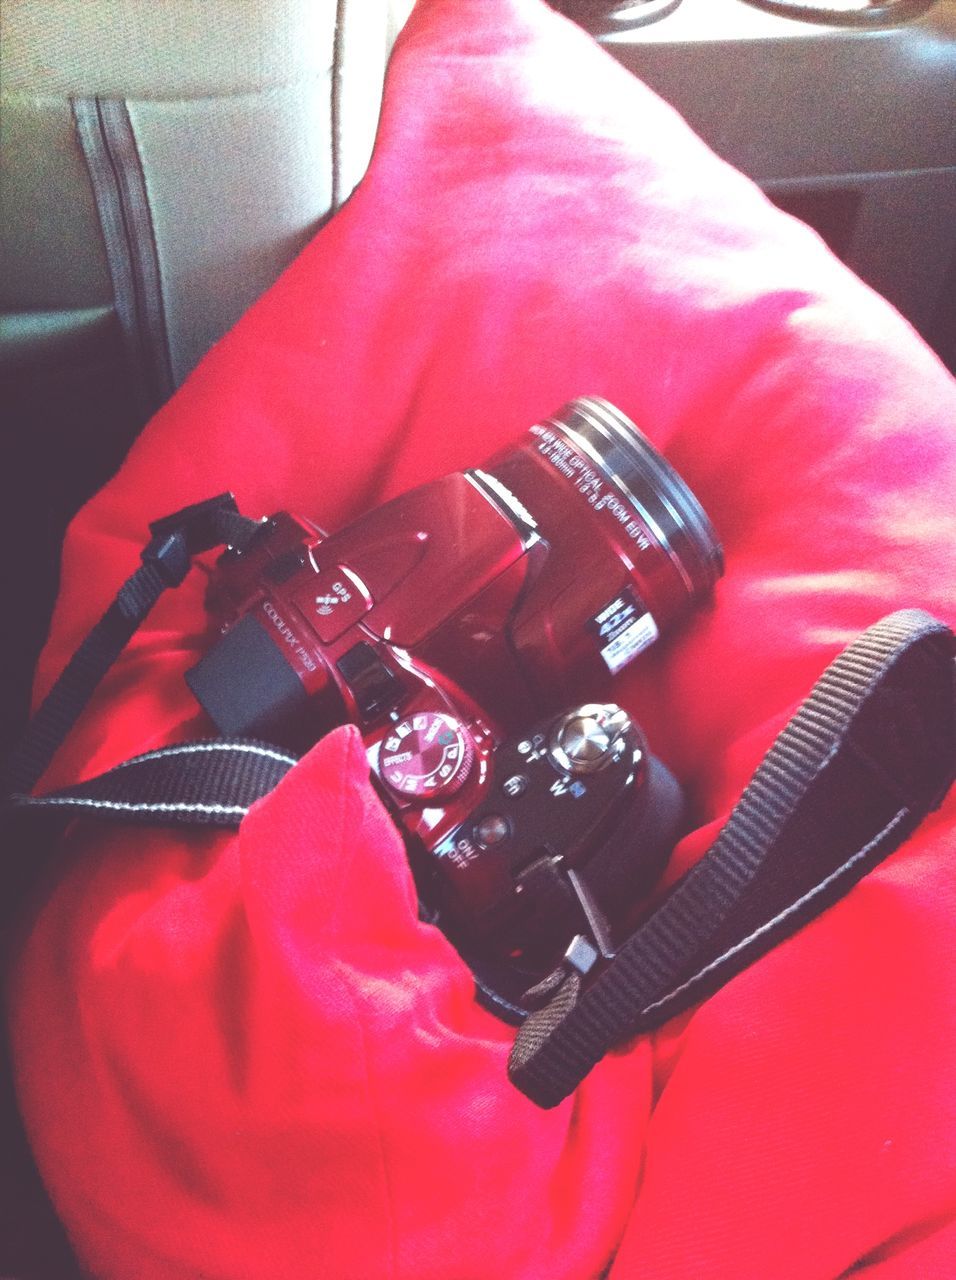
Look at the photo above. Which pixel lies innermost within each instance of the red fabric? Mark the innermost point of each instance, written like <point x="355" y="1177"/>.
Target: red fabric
<point x="240" y="1056"/>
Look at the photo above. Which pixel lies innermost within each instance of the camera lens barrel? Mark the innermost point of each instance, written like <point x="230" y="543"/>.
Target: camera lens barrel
<point x="645" y="478"/>
<point x="630" y="549"/>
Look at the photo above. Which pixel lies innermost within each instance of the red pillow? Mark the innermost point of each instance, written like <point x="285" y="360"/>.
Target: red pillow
<point x="240" y="1055"/>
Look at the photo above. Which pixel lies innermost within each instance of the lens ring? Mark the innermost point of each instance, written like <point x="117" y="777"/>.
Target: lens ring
<point x="647" y="480"/>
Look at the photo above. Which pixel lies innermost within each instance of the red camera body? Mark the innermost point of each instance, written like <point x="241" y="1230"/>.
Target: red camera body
<point x="453" y="618"/>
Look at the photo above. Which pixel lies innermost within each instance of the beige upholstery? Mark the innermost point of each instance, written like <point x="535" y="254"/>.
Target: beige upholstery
<point x="221" y="133"/>
<point x="253" y="119"/>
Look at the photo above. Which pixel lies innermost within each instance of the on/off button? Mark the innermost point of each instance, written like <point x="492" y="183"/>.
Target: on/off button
<point x="333" y="602"/>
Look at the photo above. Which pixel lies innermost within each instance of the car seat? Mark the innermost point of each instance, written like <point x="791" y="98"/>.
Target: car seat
<point x="162" y="164"/>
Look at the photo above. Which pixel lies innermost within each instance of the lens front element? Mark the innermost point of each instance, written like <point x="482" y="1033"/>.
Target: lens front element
<point x="647" y="483"/>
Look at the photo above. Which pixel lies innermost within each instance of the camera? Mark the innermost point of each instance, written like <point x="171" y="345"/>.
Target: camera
<point x="471" y="629"/>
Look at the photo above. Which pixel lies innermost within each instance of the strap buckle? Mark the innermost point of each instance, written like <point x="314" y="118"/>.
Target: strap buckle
<point x="586" y="951"/>
<point x="169" y="553"/>
<point x="199" y="523"/>
<point x="598" y="927"/>
<point x="190" y="531"/>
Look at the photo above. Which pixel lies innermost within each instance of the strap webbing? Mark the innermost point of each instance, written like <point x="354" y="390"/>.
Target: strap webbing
<point x="166" y="561"/>
<point x="870" y="752"/>
<point x="74" y="687"/>
<point x="211" y="783"/>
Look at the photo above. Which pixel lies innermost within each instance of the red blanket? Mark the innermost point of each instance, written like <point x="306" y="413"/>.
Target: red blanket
<point x="241" y="1056"/>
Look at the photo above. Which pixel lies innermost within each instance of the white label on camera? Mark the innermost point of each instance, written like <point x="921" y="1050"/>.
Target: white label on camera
<point x="627" y="644"/>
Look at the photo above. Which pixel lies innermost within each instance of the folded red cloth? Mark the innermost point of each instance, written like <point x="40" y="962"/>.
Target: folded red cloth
<point x="242" y="1056"/>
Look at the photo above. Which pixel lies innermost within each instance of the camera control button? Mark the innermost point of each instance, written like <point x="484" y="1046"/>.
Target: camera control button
<point x="516" y="785"/>
<point x="588" y="738"/>
<point x="374" y="687"/>
<point x="427" y="755"/>
<point x="491" y="830"/>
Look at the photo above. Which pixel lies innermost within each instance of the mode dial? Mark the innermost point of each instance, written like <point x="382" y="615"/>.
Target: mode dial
<point x="427" y="755"/>
<point x="588" y="738"/>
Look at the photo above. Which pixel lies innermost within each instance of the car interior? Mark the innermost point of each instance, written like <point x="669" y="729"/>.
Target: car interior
<point x="162" y="164"/>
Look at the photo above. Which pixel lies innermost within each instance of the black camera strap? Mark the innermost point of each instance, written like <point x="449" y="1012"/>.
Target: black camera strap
<point x="167" y="559"/>
<point x="866" y="757"/>
<point x="209" y="783"/>
<point x="869" y="753"/>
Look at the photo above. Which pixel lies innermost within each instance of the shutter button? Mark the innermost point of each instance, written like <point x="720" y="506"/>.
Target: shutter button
<point x="587" y="738"/>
